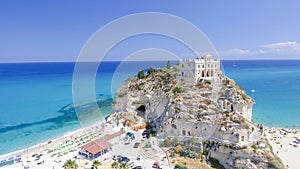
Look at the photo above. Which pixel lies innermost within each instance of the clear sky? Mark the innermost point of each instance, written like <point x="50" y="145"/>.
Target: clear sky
<point x="56" y="30"/>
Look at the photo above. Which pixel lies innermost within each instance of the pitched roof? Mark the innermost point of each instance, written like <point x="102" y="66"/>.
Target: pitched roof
<point x="100" y="144"/>
<point x="96" y="146"/>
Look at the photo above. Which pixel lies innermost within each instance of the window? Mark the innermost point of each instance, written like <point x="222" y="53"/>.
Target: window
<point x="182" y="74"/>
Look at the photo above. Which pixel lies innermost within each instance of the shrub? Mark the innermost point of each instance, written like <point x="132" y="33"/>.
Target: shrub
<point x="244" y="147"/>
<point x="177" y="90"/>
<point x="254" y="147"/>
<point x="150" y="71"/>
<point x="215" y="163"/>
<point x="141" y="74"/>
<point x="180" y="166"/>
<point x="166" y="143"/>
<point x="226" y="112"/>
<point x="205" y="152"/>
<point x="231" y="146"/>
<point x="275" y="162"/>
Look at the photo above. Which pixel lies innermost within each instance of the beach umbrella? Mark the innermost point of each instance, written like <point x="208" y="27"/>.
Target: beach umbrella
<point x="18" y="159"/>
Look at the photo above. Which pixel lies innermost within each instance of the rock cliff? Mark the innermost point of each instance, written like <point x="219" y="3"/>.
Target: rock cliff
<point x="217" y="113"/>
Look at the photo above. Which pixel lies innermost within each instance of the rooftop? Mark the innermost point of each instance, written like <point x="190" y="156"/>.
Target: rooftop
<point x="100" y="144"/>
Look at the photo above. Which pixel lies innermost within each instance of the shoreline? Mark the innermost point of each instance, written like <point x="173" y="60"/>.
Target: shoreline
<point x="59" y="138"/>
<point x="28" y="151"/>
<point x="279" y="149"/>
<point x="80" y="130"/>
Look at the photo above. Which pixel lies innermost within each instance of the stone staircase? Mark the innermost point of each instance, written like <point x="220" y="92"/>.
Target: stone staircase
<point x="155" y="154"/>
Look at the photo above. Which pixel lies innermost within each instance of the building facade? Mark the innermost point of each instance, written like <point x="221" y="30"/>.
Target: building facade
<point x="193" y="70"/>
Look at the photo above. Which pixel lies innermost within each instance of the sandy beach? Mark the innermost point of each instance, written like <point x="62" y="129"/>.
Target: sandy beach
<point x="286" y="145"/>
<point x="55" y="152"/>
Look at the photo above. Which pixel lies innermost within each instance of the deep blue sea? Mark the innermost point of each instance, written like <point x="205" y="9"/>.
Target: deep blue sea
<point x="32" y="95"/>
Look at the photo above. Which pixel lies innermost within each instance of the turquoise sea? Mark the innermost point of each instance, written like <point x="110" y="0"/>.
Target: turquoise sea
<point x="33" y="95"/>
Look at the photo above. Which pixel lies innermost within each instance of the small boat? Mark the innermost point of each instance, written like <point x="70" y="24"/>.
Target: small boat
<point x="253" y="91"/>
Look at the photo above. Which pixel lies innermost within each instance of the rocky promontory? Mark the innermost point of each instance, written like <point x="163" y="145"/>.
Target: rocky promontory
<point x="215" y="114"/>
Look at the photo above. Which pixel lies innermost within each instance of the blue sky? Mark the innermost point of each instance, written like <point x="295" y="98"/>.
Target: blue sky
<point x="56" y="30"/>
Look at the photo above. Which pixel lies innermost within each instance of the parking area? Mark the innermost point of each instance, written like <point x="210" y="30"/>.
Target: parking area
<point x="137" y="151"/>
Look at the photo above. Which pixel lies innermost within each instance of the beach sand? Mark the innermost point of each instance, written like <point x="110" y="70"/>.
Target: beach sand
<point x="282" y="142"/>
<point x="56" y="152"/>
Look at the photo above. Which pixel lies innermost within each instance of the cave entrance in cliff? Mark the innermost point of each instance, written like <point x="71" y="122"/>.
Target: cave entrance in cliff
<point x="141" y="110"/>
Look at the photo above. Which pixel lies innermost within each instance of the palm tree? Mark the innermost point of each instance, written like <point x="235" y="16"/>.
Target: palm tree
<point x="96" y="164"/>
<point x="124" y="165"/>
<point x="70" y="164"/>
<point x="115" y="165"/>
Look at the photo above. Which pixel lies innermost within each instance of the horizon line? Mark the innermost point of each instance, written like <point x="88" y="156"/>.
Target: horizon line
<point x="74" y="61"/>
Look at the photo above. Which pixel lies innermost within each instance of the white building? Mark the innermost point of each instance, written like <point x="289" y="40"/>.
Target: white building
<point x="192" y="70"/>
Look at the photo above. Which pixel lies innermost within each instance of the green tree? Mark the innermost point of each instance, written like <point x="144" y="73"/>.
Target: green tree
<point x="150" y="71"/>
<point x="96" y="164"/>
<point x="124" y="165"/>
<point x="70" y="164"/>
<point x="141" y="74"/>
<point x="168" y="64"/>
<point x="115" y="165"/>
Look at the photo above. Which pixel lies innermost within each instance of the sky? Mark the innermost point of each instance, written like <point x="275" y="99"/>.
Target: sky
<point x="56" y="30"/>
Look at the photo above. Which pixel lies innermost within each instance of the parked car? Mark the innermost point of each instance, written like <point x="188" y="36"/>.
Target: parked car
<point x="156" y="165"/>
<point x="124" y="159"/>
<point x="117" y="157"/>
<point x="136" y="145"/>
<point x="137" y="167"/>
